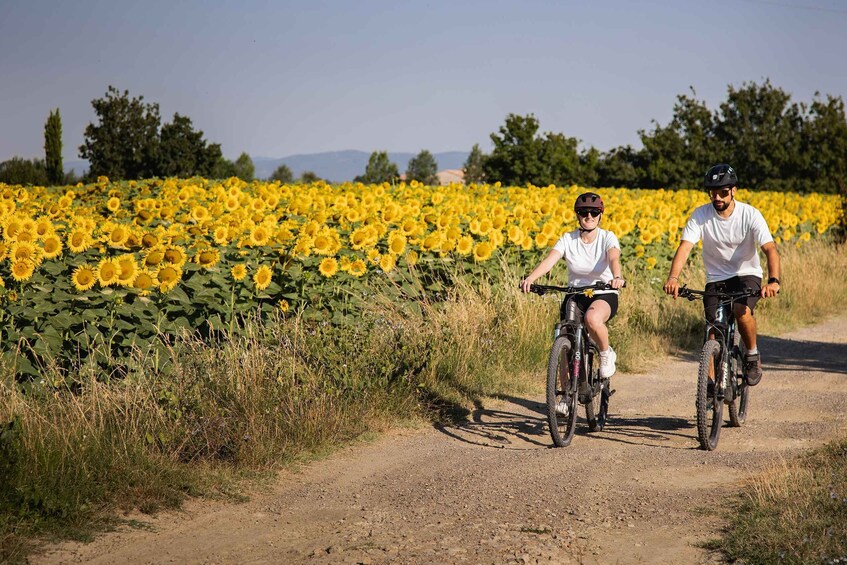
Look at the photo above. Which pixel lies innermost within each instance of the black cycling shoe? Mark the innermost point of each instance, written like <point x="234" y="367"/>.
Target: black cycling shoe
<point x="752" y="369"/>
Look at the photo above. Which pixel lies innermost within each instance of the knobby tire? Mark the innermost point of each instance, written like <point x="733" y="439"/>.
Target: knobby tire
<point x="738" y="407"/>
<point x="561" y="427"/>
<point x="709" y="410"/>
<point x="597" y="407"/>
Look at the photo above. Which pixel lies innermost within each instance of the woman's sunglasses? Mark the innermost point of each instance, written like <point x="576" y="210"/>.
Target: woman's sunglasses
<point x="593" y="212"/>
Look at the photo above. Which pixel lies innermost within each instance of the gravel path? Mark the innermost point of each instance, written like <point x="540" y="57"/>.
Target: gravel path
<point x="493" y="491"/>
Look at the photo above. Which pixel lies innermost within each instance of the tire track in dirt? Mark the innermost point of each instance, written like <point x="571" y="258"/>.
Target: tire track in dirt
<point x="492" y="491"/>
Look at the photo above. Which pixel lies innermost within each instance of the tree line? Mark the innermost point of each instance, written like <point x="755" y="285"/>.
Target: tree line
<point x="773" y="142"/>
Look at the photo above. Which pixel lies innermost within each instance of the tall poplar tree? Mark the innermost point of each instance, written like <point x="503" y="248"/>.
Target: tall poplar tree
<point x="53" y="148"/>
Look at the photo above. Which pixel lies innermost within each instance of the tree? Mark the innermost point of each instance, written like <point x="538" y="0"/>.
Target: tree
<point x="473" y="167"/>
<point x="23" y="171"/>
<point x="283" y="174"/>
<point x="224" y="169"/>
<point x="423" y="168"/>
<point x="125" y="142"/>
<point x="760" y="134"/>
<point x="183" y="152"/>
<point x="53" y="148"/>
<point x="244" y="168"/>
<point x="676" y="155"/>
<point x="621" y="167"/>
<point x="520" y="156"/>
<point x="379" y="169"/>
<point x="308" y="177"/>
<point x="824" y="148"/>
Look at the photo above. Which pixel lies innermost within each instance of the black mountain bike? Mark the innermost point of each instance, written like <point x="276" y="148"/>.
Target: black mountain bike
<point x="573" y="370"/>
<point x="720" y="377"/>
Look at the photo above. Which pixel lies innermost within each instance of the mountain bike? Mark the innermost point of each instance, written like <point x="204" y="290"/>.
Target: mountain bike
<point x="722" y="355"/>
<point x="573" y="369"/>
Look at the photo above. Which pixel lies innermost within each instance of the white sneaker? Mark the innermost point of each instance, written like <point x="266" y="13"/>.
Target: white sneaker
<point x="607" y="363"/>
<point x="562" y="409"/>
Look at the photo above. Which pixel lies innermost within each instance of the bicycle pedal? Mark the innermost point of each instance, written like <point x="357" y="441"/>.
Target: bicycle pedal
<point x="612" y="392"/>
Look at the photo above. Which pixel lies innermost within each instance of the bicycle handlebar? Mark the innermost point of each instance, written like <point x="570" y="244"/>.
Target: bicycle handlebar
<point x="692" y="294"/>
<point x="542" y="289"/>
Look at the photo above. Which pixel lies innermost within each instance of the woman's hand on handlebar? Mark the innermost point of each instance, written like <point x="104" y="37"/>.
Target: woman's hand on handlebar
<point x="525" y="284"/>
<point x="617" y="283"/>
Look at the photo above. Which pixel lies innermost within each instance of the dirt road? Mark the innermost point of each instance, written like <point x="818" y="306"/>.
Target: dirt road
<point x="492" y="491"/>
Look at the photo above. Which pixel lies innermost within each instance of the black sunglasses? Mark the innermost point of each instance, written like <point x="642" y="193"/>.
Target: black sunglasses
<point x="722" y="192"/>
<point x="584" y="213"/>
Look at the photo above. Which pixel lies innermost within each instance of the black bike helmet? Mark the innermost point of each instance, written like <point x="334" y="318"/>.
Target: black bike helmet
<point x="588" y="200"/>
<point x="720" y="176"/>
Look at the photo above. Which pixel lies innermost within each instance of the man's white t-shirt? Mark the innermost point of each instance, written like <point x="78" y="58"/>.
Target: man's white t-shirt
<point x="587" y="262"/>
<point x="729" y="244"/>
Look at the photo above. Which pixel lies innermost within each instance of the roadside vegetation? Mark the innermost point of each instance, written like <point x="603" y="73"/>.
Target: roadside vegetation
<point x="73" y="459"/>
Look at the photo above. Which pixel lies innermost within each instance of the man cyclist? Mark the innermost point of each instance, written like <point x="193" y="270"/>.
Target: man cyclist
<point x="730" y="231"/>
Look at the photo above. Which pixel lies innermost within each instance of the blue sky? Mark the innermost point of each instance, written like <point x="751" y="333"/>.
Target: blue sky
<point x="282" y="78"/>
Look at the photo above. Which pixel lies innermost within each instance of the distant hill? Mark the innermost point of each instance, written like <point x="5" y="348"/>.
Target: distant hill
<point x="334" y="166"/>
<point x="341" y="166"/>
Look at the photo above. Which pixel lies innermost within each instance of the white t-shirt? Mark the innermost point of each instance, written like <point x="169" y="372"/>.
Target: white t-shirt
<point x="587" y="262"/>
<point x="729" y="244"/>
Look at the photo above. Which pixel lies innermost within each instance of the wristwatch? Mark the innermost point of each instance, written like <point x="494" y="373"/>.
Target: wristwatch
<point x="774" y="280"/>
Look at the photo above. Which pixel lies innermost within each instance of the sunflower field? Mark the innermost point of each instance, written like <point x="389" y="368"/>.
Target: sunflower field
<point x="90" y="273"/>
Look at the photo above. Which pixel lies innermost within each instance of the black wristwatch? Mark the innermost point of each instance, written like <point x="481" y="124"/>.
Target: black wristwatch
<point x="774" y="280"/>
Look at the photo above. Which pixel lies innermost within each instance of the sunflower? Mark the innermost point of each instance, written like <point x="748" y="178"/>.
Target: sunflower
<point x="22" y="270"/>
<point x="154" y="257"/>
<point x="323" y="245"/>
<point x="175" y="255"/>
<point x="4" y="249"/>
<point x="239" y="271"/>
<point x="199" y="214"/>
<point x="465" y="245"/>
<point x="387" y="263"/>
<point x="129" y="270"/>
<point x="149" y="240"/>
<point x="328" y="267"/>
<point x="84" y="278"/>
<point x="358" y="268"/>
<point x="79" y="240"/>
<point x="263" y="277"/>
<point x="220" y="235"/>
<point x="284" y="306"/>
<point x="260" y="235"/>
<point x="25" y="251"/>
<point x="52" y="246"/>
<point x="144" y="282"/>
<point x="168" y="277"/>
<point x="114" y="204"/>
<point x="43" y="227"/>
<point x="396" y="243"/>
<point x="108" y="272"/>
<point x="207" y="258"/>
<point x="117" y="236"/>
<point x="482" y="251"/>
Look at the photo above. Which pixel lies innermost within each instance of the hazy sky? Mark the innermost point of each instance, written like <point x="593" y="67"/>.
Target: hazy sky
<point x="279" y="78"/>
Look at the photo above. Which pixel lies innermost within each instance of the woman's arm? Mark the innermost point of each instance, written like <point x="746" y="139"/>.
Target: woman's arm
<point x="542" y="269"/>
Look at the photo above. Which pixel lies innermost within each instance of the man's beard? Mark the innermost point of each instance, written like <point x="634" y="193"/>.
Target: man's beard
<point x="720" y="205"/>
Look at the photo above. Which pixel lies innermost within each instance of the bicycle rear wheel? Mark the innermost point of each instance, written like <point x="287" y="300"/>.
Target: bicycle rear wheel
<point x="738" y="407"/>
<point x="561" y="388"/>
<point x="709" y="407"/>
<point x="597" y="409"/>
<point x="597" y="406"/>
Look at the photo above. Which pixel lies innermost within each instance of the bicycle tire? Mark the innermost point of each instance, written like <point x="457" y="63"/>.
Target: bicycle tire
<point x="708" y="426"/>
<point x="738" y="407"/>
<point x="597" y="407"/>
<point x="561" y="427"/>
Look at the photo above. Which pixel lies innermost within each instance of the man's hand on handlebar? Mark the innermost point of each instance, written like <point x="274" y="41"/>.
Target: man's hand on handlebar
<point x="672" y="286"/>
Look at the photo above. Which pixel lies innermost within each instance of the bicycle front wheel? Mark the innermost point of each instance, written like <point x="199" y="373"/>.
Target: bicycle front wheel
<point x="561" y="393"/>
<point x="709" y="408"/>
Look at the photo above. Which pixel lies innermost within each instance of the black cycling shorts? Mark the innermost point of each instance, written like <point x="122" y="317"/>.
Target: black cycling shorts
<point x="584" y="302"/>
<point x="735" y="284"/>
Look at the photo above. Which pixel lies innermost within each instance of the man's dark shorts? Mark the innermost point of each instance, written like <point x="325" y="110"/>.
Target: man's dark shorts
<point x="735" y="284"/>
<point x="584" y="302"/>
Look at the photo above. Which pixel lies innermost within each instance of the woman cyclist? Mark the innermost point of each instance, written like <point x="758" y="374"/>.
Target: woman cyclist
<point x="592" y="254"/>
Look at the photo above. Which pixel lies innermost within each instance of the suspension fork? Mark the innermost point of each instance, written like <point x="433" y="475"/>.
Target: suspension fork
<point x="578" y="349"/>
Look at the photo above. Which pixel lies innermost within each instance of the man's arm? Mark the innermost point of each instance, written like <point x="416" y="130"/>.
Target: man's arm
<point x="679" y="260"/>
<point x="772" y="256"/>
